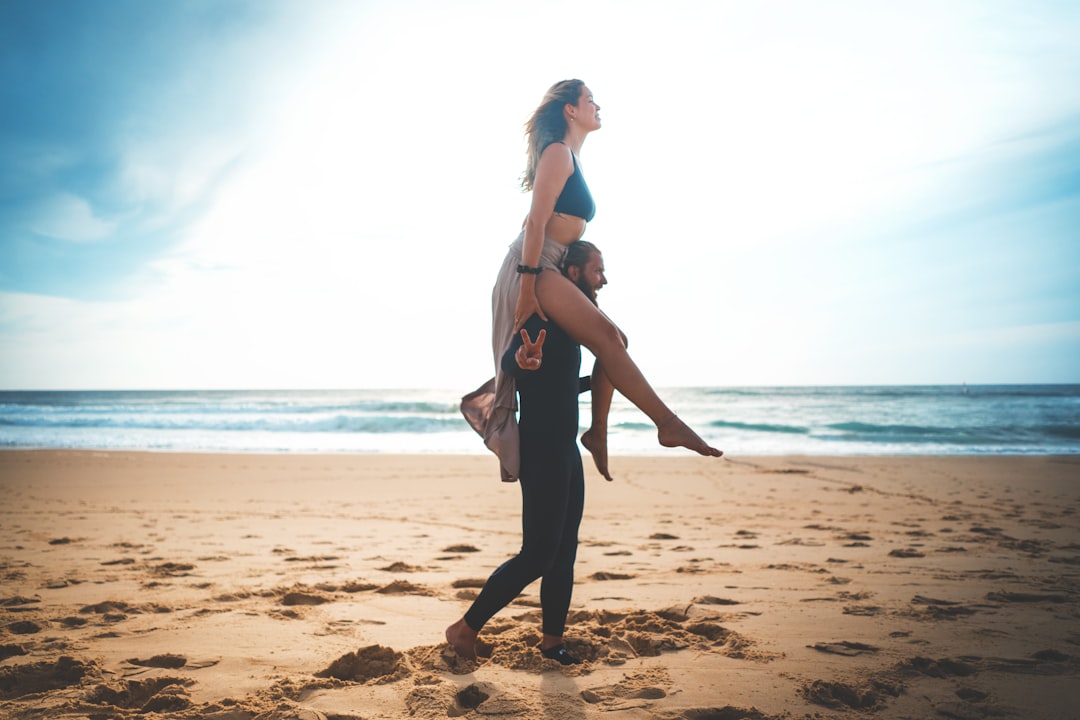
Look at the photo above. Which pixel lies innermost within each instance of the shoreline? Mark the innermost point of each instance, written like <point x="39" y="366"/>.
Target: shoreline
<point x="235" y="586"/>
<point x="876" y="420"/>
<point x="677" y="455"/>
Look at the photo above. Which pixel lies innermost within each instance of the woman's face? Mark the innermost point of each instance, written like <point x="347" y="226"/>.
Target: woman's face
<point x="586" y="113"/>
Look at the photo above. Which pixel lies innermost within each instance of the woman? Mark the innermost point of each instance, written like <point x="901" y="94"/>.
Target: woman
<point x="561" y="206"/>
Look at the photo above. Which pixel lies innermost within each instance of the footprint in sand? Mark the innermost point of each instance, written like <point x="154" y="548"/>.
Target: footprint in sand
<point x="727" y="712"/>
<point x="971" y="694"/>
<point x="844" y="647"/>
<point x="171" y="661"/>
<point x="494" y="700"/>
<point x="434" y="698"/>
<point x="907" y="553"/>
<point x="471" y="697"/>
<point x="303" y="598"/>
<point x="172" y="569"/>
<point x="9" y="650"/>
<point x="24" y="627"/>
<point x="712" y="600"/>
<point x="633" y="691"/>
<point x="166" y="660"/>
<point x="446" y="700"/>
<point x="1046" y="663"/>
<point x="372" y="664"/>
<point x="120" y="561"/>
<point x="855" y="539"/>
<point x="935" y="609"/>
<point x="109" y="610"/>
<point x="1018" y="597"/>
<point x="937" y="668"/>
<point x="863" y="610"/>
<point x="610" y="576"/>
<point x="461" y="549"/>
<point x="467" y="589"/>
<point x="17" y="601"/>
<point x="404" y="587"/>
<point x="869" y="695"/>
<point x="153" y="695"/>
<point x="39" y="677"/>
<point x="315" y="562"/>
<point x="690" y="569"/>
<point x="351" y="587"/>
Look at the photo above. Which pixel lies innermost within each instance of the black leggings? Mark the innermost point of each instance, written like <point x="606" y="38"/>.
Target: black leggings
<point x="552" y="500"/>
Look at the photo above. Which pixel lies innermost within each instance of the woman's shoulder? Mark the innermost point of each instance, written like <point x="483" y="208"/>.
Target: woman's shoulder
<point x="557" y="154"/>
<point x="556" y="148"/>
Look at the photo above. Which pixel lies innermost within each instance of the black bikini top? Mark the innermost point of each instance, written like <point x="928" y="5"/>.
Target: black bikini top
<point x="575" y="198"/>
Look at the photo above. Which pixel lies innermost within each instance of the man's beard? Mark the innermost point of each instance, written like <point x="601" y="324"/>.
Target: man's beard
<point x="586" y="288"/>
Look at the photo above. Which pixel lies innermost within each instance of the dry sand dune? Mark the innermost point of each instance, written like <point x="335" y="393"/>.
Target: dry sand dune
<point x="244" y="587"/>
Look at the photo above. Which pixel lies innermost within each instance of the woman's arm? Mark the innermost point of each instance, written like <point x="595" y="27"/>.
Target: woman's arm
<point x="555" y="166"/>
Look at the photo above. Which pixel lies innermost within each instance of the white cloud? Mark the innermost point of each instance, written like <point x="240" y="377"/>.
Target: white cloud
<point x="71" y="218"/>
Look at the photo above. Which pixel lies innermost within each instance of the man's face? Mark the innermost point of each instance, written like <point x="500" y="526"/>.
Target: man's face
<point x="590" y="278"/>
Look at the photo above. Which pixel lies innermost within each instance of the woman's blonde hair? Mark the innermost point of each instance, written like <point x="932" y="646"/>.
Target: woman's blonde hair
<point x="547" y="124"/>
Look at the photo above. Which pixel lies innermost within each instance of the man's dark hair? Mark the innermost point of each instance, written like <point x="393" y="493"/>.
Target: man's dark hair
<point x="577" y="255"/>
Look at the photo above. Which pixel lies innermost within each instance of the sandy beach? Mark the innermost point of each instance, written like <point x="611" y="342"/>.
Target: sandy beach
<point x="311" y="587"/>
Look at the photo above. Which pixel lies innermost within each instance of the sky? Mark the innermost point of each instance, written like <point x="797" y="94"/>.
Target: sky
<point x="282" y="194"/>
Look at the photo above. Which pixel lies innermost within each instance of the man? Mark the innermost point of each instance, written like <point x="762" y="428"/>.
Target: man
<point x="545" y="362"/>
<point x="584" y="266"/>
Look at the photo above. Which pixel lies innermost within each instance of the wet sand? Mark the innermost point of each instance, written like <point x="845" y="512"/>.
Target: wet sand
<point x="259" y="587"/>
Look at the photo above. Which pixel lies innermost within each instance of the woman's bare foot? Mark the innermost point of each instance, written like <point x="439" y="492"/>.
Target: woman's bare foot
<point x="595" y="441"/>
<point x="463" y="639"/>
<point x="673" y="432"/>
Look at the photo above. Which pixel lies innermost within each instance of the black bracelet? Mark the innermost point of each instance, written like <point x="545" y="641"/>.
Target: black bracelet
<point x="529" y="270"/>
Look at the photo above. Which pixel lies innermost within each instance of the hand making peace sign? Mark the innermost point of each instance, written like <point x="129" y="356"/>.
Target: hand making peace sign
<point x="530" y="354"/>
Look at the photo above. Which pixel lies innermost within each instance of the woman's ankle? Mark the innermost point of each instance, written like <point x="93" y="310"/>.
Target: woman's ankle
<point x="667" y="420"/>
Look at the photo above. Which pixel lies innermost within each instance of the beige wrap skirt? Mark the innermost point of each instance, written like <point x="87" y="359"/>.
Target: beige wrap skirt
<point x="491" y="408"/>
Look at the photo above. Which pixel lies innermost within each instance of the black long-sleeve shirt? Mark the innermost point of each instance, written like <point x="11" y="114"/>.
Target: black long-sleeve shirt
<point x="549" y="394"/>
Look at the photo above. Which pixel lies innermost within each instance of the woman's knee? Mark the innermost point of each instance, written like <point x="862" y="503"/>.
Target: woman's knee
<point x="605" y="338"/>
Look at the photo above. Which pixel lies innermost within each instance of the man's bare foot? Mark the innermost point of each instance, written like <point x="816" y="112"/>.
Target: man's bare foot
<point x="595" y="441"/>
<point x="673" y="432"/>
<point x="463" y="639"/>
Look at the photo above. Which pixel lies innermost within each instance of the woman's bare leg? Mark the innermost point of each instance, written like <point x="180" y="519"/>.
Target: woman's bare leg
<point x="595" y="438"/>
<point x="573" y="312"/>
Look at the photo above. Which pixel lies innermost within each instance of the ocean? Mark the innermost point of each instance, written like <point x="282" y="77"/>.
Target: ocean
<point x="878" y="420"/>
